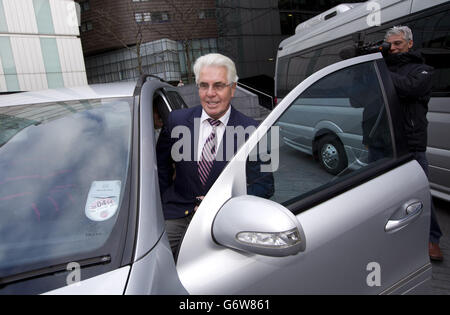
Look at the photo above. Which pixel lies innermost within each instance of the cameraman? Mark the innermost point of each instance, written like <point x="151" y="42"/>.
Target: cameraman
<point x="412" y="81"/>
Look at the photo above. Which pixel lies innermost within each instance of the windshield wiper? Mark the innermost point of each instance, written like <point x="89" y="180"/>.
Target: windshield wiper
<point x="37" y="273"/>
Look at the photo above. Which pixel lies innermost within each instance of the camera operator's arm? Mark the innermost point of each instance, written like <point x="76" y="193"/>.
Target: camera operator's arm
<point x="416" y="83"/>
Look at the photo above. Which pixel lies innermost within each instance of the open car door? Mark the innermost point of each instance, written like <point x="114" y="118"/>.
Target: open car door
<point x="362" y="231"/>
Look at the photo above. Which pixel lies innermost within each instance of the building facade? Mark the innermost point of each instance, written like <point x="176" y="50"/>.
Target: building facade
<point x="124" y="38"/>
<point x="115" y="24"/>
<point x="139" y="36"/>
<point x="39" y="45"/>
<point x="249" y="33"/>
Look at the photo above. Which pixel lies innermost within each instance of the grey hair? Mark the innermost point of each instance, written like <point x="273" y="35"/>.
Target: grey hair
<point x="405" y="31"/>
<point x="217" y="60"/>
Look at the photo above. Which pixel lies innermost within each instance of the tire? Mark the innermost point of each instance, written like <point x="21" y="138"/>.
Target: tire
<point x="331" y="154"/>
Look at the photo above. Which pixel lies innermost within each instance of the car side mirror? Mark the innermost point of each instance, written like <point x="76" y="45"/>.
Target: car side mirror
<point x="260" y="226"/>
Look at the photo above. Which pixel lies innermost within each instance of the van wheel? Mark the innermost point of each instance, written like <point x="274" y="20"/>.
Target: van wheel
<point x="332" y="154"/>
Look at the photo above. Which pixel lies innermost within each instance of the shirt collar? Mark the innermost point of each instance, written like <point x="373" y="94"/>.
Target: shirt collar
<point x="224" y="119"/>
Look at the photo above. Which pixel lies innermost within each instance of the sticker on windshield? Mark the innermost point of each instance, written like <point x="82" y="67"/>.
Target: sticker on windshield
<point x="103" y="200"/>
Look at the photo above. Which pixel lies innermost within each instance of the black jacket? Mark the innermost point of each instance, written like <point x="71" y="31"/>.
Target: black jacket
<point x="412" y="81"/>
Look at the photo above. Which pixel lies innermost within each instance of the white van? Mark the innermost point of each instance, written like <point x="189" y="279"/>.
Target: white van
<point x="318" y="42"/>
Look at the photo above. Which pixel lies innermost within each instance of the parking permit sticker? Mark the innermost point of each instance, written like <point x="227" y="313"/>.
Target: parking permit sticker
<point x="103" y="200"/>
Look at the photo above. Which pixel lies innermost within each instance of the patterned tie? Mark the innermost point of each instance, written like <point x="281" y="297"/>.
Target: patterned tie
<point x="208" y="153"/>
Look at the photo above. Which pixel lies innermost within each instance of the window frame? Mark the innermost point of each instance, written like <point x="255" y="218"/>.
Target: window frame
<point x="288" y="59"/>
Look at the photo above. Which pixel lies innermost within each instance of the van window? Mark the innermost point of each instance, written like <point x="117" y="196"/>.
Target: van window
<point x="432" y="38"/>
<point x="282" y="66"/>
<point x="294" y="69"/>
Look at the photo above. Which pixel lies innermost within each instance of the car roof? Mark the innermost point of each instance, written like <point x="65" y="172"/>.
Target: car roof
<point x="95" y="91"/>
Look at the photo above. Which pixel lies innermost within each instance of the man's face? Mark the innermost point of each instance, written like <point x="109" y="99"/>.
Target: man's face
<point x="399" y="44"/>
<point x="215" y="91"/>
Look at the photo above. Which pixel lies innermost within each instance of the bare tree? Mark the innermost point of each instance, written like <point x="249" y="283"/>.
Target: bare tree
<point x="179" y="20"/>
<point x="109" y="30"/>
<point x="188" y="21"/>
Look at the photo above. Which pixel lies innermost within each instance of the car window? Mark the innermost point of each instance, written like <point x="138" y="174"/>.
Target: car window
<point x="161" y="107"/>
<point x="64" y="169"/>
<point x="336" y="128"/>
<point x="295" y="68"/>
<point x="176" y="100"/>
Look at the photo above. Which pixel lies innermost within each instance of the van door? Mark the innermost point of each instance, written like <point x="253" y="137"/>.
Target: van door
<point x="362" y="231"/>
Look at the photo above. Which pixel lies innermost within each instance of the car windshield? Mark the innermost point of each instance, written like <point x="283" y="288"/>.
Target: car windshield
<point x="63" y="172"/>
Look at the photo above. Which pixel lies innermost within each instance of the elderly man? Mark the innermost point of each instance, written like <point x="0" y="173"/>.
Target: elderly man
<point x="412" y="81"/>
<point x="184" y="181"/>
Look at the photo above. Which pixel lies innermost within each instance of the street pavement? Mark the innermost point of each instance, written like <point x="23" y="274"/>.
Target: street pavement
<point x="440" y="283"/>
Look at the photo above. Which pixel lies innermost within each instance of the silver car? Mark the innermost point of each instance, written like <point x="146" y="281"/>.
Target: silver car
<point x="80" y="210"/>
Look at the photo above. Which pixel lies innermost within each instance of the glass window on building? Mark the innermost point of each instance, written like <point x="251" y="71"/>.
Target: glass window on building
<point x="160" y="17"/>
<point x="147" y="17"/>
<point x="84" y="6"/>
<point x="86" y="26"/>
<point x="138" y="17"/>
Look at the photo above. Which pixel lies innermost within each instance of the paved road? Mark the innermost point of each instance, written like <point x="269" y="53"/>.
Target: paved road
<point x="440" y="283"/>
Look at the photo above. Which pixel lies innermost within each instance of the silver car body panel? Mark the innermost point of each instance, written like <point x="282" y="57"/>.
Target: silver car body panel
<point x="155" y="273"/>
<point x="333" y="230"/>
<point x="95" y="91"/>
<point x="151" y="220"/>
<point x="153" y="270"/>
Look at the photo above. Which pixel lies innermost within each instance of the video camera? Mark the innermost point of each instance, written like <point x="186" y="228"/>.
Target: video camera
<point x="371" y="48"/>
<point x="360" y="49"/>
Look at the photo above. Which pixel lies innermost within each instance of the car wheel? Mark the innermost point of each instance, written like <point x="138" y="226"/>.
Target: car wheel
<point x="332" y="154"/>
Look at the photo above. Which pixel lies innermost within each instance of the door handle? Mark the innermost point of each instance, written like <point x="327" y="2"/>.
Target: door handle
<point x="412" y="210"/>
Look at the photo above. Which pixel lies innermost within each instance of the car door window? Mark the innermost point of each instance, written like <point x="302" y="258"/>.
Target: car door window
<point x="335" y="129"/>
<point x="161" y="106"/>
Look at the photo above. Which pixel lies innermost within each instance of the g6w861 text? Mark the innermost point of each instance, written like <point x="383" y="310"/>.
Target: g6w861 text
<point x="246" y="304"/>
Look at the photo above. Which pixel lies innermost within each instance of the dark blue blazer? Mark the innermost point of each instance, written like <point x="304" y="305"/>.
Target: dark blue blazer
<point x="179" y="182"/>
